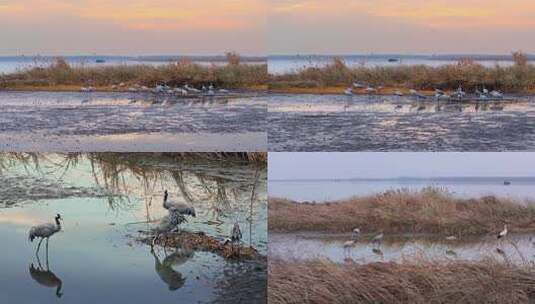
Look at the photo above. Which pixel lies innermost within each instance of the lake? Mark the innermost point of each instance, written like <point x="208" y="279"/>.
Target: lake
<point x="518" y="249"/>
<point x="131" y="122"/>
<point x="107" y="201"/>
<point x="328" y="190"/>
<point x="307" y="122"/>
<point x="284" y="64"/>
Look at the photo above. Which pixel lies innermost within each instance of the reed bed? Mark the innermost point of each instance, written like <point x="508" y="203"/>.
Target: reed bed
<point x="520" y="77"/>
<point x="322" y="281"/>
<point x="429" y="210"/>
<point x="60" y="73"/>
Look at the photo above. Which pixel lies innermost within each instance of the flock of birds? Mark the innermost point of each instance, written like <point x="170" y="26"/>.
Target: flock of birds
<point x="185" y="90"/>
<point x="177" y="212"/>
<point x="459" y="94"/>
<point x="378" y="239"/>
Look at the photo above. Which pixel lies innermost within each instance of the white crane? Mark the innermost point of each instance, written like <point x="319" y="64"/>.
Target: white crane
<point x="356" y="233"/>
<point x="191" y="89"/>
<point x="370" y="90"/>
<point x="496" y="94"/>
<point x="45" y="231"/>
<point x="180" y="207"/>
<point x="502" y="233"/>
<point x="378" y="239"/>
<point x="348" y="92"/>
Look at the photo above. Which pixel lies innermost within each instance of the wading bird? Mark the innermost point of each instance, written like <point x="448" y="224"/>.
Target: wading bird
<point x="235" y="236"/>
<point x="496" y="94"/>
<point x="502" y="233"/>
<point x="45" y="231"/>
<point x="348" y="92"/>
<point x="398" y="93"/>
<point x="356" y="233"/>
<point x="378" y="239"/>
<point x="348" y="245"/>
<point x="180" y="207"/>
<point x="167" y="224"/>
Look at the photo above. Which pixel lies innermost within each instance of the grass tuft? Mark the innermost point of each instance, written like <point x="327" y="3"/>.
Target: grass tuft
<point x="430" y="210"/>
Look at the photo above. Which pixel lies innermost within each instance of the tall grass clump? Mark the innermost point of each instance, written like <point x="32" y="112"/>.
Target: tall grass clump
<point x="466" y="73"/>
<point x="430" y="210"/>
<point x="59" y="72"/>
<point x="321" y="281"/>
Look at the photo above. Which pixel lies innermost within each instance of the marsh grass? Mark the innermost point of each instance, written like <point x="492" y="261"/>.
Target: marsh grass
<point x="430" y="210"/>
<point x="60" y="73"/>
<point x="322" y="281"/>
<point x="468" y="73"/>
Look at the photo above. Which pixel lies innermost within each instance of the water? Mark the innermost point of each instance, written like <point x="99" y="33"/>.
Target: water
<point x="37" y="121"/>
<point x="289" y="64"/>
<point x="389" y="123"/>
<point x="519" y="249"/>
<point x="105" y="200"/>
<point x="329" y="190"/>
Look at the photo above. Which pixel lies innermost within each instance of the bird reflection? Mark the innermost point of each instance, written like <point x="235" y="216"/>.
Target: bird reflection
<point x="165" y="271"/>
<point x="46" y="277"/>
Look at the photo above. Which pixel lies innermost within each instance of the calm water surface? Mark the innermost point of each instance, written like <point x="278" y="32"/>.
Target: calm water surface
<point x="291" y="64"/>
<point x="389" y="123"/>
<point x="106" y="201"/>
<point x="398" y="248"/>
<point x="328" y="190"/>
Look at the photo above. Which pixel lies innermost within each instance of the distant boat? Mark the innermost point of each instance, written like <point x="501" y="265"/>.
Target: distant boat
<point x="393" y="59"/>
<point x="100" y="61"/>
<point x="506" y="183"/>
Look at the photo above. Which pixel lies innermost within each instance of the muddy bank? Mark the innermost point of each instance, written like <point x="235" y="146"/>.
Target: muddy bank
<point x="304" y="122"/>
<point x="199" y="241"/>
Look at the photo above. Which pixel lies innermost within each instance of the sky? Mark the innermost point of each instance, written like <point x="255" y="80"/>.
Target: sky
<point x="318" y="165"/>
<point x="401" y="26"/>
<point x="132" y="27"/>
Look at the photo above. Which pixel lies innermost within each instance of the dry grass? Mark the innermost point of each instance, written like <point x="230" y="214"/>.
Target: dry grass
<point x="426" y="282"/>
<point x="60" y="74"/>
<point x="427" y="211"/>
<point x="519" y="77"/>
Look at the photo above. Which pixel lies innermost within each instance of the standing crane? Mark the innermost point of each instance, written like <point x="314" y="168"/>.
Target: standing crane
<point x="181" y="208"/>
<point x="167" y="224"/>
<point x="45" y="231"/>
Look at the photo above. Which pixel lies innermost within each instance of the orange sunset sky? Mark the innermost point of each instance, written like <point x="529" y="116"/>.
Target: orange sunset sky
<point x="132" y="27"/>
<point x="257" y="27"/>
<point x="401" y="26"/>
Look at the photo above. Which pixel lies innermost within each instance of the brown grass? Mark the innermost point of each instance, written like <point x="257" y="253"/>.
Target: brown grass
<point x="517" y="78"/>
<point x="428" y="211"/>
<point x="323" y="281"/>
<point x="202" y="242"/>
<point x="60" y="74"/>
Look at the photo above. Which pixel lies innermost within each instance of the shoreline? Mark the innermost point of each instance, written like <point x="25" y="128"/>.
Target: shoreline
<point x="386" y="91"/>
<point x="76" y="88"/>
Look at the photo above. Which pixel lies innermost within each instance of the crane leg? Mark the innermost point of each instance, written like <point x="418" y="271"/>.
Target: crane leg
<point x="39" y="246"/>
